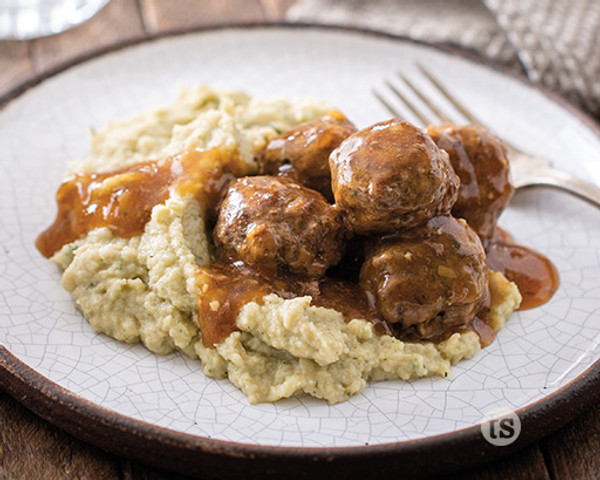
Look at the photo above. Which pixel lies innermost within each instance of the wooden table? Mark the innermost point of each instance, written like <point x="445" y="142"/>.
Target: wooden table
<point x="31" y="448"/>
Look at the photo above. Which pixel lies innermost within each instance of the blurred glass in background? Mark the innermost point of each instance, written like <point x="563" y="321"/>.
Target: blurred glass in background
<point x="27" y="19"/>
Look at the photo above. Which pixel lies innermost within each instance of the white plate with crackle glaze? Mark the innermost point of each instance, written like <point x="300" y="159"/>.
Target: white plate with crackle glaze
<point x="544" y="364"/>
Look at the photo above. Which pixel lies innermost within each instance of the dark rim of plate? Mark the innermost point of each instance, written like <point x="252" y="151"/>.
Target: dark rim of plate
<point x="212" y="458"/>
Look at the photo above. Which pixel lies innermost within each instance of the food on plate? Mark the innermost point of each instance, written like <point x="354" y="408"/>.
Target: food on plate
<point x="302" y="153"/>
<point x="209" y="227"/>
<point x="478" y="158"/>
<point x="122" y="200"/>
<point x="279" y="224"/>
<point x="397" y="268"/>
<point x="391" y="176"/>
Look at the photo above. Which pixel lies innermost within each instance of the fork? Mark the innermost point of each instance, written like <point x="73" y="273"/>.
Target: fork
<point x="526" y="170"/>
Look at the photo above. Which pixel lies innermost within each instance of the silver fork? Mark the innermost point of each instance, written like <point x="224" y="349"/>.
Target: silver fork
<point x="526" y="170"/>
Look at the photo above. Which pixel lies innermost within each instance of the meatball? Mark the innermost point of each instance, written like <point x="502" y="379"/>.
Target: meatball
<point x="391" y="176"/>
<point x="277" y="224"/>
<point x="303" y="153"/>
<point x="480" y="161"/>
<point x="429" y="282"/>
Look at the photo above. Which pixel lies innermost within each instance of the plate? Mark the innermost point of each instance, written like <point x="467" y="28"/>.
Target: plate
<point x="544" y="365"/>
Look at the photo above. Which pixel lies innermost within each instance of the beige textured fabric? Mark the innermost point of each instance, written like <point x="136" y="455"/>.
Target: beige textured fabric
<point x="555" y="42"/>
<point x="558" y="42"/>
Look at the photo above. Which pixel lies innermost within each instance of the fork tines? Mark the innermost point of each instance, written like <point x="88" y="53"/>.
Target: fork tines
<point x="432" y="113"/>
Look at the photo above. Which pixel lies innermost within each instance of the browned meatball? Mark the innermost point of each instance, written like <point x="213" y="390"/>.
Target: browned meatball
<point x="275" y="223"/>
<point x="429" y="281"/>
<point x="303" y="152"/>
<point x="391" y="176"/>
<point x="479" y="160"/>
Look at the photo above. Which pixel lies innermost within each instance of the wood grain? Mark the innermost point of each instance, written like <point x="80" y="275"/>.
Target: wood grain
<point x="135" y="471"/>
<point x="573" y="452"/>
<point x="168" y="15"/>
<point x="275" y="9"/>
<point x="527" y="464"/>
<point x="33" y="449"/>
<point x="119" y="21"/>
<point x="16" y="66"/>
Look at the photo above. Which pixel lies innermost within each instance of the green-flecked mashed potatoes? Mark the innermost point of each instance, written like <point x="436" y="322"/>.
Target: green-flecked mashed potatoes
<point x="144" y="289"/>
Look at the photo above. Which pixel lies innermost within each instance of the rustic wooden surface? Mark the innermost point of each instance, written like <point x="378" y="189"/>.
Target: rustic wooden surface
<point x="31" y="448"/>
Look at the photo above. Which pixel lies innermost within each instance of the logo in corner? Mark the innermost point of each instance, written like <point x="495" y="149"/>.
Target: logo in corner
<point x="500" y="426"/>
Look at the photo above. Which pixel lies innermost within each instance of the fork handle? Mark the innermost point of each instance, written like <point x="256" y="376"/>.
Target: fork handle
<point x="564" y="181"/>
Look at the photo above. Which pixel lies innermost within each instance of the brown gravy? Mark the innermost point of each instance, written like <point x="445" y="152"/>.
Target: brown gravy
<point x="227" y="286"/>
<point x="122" y="199"/>
<point x="484" y="331"/>
<point x="534" y="274"/>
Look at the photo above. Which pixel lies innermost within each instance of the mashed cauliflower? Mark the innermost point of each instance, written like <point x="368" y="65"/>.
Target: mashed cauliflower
<point x="144" y="289"/>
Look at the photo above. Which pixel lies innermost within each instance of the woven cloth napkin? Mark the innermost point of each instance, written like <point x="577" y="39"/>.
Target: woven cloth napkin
<point x="554" y="42"/>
